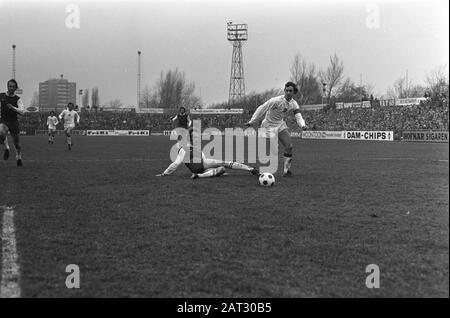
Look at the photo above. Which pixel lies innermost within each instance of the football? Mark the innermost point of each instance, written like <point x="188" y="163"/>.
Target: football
<point x="266" y="179"/>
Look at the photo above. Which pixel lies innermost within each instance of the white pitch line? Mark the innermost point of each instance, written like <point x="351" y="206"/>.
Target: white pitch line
<point x="96" y="160"/>
<point x="9" y="286"/>
<point x="399" y="158"/>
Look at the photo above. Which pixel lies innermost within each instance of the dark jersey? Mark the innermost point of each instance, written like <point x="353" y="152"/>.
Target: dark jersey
<point x="6" y="114"/>
<point x="183" y="120"/>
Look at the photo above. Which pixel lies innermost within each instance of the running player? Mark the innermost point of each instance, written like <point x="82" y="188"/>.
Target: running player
<point x="69" y="116"/>
<point x="52" y="122"/>
<point x="182" y="119"/>
<point x="10" y="106"/>
<point x="275" y="110"/>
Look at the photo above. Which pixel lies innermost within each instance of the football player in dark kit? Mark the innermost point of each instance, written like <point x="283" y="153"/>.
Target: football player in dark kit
<point x="10" y="106"/>
<point x="182" y="119"/>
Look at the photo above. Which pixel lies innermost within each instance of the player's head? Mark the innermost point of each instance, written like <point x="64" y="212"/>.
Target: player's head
<point x="12" y="86"/>
<point x="290" y="89"/>
<point x="182" y="110"/>
<point x="70" y="106"/>
<point x="52" y="113"/>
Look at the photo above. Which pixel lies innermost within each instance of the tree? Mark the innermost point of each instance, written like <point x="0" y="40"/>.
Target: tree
<point x="333" y="75"/>
<point x="437" y="81"/>
<point x="95" y="98"/>
<point x="148" y="99"/>
<point x="401" y="88"/>
<point x="349" y="92"/>
<point x="172" y="90"/>
<point x="252" y="100"/>
<point x="416" y="91"/>
<point x="85" y="98"/>
<point x="115" y="103"/>
<point x="305" y="76"/>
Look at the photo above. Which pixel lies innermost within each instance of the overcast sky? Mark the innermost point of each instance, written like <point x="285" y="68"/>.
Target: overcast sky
<point x="379" y="39"/>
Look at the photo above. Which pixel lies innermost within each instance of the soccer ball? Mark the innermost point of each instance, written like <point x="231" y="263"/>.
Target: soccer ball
<point x="266" y="179"/>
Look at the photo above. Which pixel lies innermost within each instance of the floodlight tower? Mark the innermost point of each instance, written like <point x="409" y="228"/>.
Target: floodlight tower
<point x="14" y="61"/>
<point x="138" y="106"/>
<point x="236" y="34"/>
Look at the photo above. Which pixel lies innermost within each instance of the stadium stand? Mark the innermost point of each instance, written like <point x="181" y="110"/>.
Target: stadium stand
<point x="426" y="116"/>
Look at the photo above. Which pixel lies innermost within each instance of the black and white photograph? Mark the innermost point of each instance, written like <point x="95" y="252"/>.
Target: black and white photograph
<point x="224" y="154"/>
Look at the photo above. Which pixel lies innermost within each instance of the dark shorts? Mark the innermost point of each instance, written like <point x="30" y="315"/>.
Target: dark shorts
<point x="183" y="126"/>
<point x="13" y="126"/>
<point x="196" y="167"/>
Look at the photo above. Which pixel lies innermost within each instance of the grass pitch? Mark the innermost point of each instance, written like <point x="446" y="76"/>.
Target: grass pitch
<point x="349" y="204"/>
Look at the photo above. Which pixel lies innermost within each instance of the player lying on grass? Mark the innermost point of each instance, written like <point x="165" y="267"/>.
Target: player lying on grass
<point x="206" y="168"/>
<point x="275" y="109"/>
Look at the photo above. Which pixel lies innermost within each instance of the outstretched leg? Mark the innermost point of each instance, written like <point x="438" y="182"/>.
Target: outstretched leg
<point x="211" y="172"/>
<point x="213" y="163"/>
<point x="285" y="139"/>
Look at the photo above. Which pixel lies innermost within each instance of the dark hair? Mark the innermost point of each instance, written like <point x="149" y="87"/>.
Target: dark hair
<point x="293" y="85"/>
<point x="14" y="81"/>
<point x="70" y="104"/>
<point x="182" y="107"/>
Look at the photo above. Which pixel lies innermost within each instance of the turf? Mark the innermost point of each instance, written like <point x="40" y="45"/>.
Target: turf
<point x="349" y="204"/>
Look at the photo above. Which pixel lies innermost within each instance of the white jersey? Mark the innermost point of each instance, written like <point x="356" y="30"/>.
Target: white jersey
<point x="52" y="121"/>
<point x="275" y="110"/>
<point x="195" y="167"/>
<point x="69" y="117"/>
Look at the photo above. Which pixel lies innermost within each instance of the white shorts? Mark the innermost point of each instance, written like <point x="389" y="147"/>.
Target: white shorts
<point x="69" y="127"/>
<point x="270" y="130"/>
<point x="278" y="127"/>
<point x="53" y="129"/>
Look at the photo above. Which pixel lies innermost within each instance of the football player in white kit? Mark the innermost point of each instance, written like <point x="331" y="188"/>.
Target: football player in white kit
<point x="69" y="116"/>
<point x="206" y="167"/>
<point x="52" y="122"/>
<point x="275" y="109"/>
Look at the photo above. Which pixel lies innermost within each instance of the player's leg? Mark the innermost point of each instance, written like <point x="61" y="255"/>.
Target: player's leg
<point x="4" y="140"/>
<point x="285" y="140"/>
<point x="213" y="163"/>
<point x="49" y="136"/>
<point x="68" y="131"/>
<point x="53" y="135"/>
<point x="16" y="141"/>
<point x="211" y="172"/>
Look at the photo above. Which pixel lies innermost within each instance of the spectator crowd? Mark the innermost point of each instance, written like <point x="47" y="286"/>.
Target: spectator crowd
<point x="427" y="116"/>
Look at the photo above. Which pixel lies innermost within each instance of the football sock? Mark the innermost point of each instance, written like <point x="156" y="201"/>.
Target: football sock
<point x="69" y="140"/>
<point x="287" y="162"/>
<point x="237" y="166"/>
<point x="5" y="142"/>
<point x="211" y="173"/>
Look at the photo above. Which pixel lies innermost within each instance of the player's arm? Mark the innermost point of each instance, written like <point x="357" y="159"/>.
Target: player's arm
<point x="189" y="121"/>
<point x="48" y="121"/>
<point x="260" y="111"/>
<point x="299" y="118"/>
<point x="20" y="107"/>
<point x="56" y="121"/>
<point x="174" y="165"/>
<point x="175" y="118"/>
<point x="77" y="117"/>
<point x="61" y="116"/>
